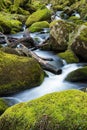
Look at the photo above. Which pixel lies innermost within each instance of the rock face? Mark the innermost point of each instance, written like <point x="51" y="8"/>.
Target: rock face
<point x="63" y="110"/>
<point x="38" y="26"/>
<point x="39" y="15"/>
<point x="59" y="35"/>
<point x="18" y="73"/>
<point x="79" y="75"/>
<point x="3" y="105"/>
<point x="79" y="43"/>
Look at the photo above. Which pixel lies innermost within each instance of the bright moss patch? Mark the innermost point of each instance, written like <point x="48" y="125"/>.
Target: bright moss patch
<point x="38" y="26"/>
<point x="3" y="105"/>
<point x="76" y="20"/>
<point x="39" y="15"/>
<point x="78" y="75"/>
<point x="64" y="111"/>
<point x="9" y="24"/>
<point x="18" y="73"/>
<point x="69" y="56"/>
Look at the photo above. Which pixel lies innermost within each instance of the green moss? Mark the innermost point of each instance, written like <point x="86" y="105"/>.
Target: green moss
<point x="39" y="15"/>
<point x="76" y="20"/>
<point x="18" y="73"/>
<point x="69" y="56"/>
<point x="5" y="25"/>
<point x="18" y="10"/>
<point x="65" y="110"/>
<point x="38" y="26"/>
<point x="3" y="106"/>
<point x="58" y="7"/>
<point x="53" y="23"/>
<point x="78" y="75"/>
<point x="4" y="4"/>
<point x="9" y="23"/>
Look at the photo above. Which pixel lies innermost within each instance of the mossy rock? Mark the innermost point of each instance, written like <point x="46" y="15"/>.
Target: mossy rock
<point x="34" y="6"/>
<point x="79" y="42"/>
<point x="5" y="25"/>
<point x="20" y="2"/>
<point x="79" y="75"/>
<point x="39" y="15"/>
<point x="3" y="105"/>
<point x="18" y="73"/>
<point x="38" y="26"/>
<point x="18" y="10"/>
<point x="65" y="110"/>
<point x="58" y="7"/>
<point x="76" y="20"/>
<point x="9" y="50"/>
<point x="59" y="35"/>
<point x="68" y="56"/>
<point x="5" y="4"/>
<point x="9" y="24"/>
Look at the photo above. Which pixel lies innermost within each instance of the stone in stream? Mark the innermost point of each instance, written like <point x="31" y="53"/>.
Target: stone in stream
<point x="69" y="56"/>
<point x="39" y="15"/>
<point x="59" y="110"/>
<point x="79" y="75"/>
<point x="79" y="42"/>
<point x="38" y="26"/>
<point x="18" y="73"/>
<point x="59" y="35"/>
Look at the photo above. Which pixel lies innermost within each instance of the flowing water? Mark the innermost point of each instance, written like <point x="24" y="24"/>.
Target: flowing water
<point x="52" y="83"/>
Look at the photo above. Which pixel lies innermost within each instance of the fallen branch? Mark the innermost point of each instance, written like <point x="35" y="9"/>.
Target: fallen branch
<point x="42" y="62"/>
<point x="13" y="42"/>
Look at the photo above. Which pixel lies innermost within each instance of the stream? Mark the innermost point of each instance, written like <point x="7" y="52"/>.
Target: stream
<point x="51" y="83"/>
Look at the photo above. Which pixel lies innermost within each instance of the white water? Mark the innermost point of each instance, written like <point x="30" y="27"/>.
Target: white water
<point x="51" y="84"/>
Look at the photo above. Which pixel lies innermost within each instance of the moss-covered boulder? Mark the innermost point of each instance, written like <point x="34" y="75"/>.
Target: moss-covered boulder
<point x="39" y="15"/>
<point x="76" y="20"/>
<point x="3" y="105"/>
<point x="79" y="75"/>
<point x="18" y="73"/>
<point x="5" y="4"/>
<point x="59" y="35"/>
<point x="57" y="111"/>
<point x="79" y="42"/>
<point x="18" y="10"/>
<point x="38" y="26"/>
<point x="9" y="24"/>
<point x="69" y="56"/>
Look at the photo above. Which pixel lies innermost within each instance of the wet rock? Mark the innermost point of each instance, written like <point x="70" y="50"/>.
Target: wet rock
<point x="79" y="75"/>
